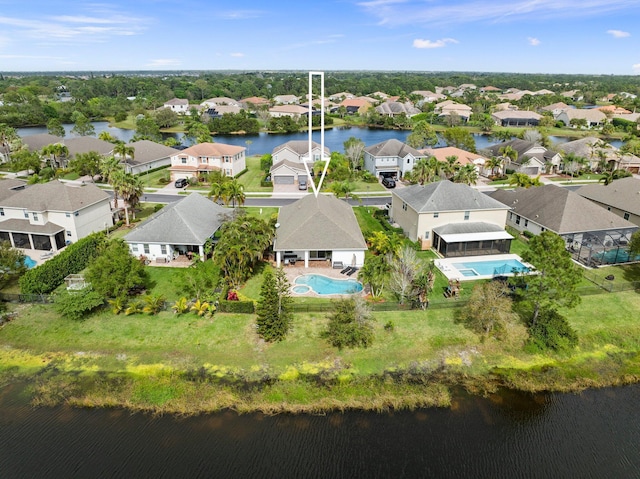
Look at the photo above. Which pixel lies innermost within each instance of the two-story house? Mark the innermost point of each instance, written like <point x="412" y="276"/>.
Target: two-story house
<point x="48" y="216"/>
<point x="390" y="158"/>
<point x="532" y="158"/>
<point x="289" y="161"/>
<point x="204" y="158"/>
<point x="452" y="218"/>
<point x="178" y="105"/>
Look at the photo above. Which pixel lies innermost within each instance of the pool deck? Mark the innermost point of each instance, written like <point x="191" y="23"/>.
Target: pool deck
<point x="445" y="265"/>
<point x="37" y="255"/>
<point x="316" y="267"/>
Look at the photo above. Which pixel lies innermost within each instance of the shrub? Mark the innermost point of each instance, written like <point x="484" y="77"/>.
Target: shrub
<point x="76" y="305"/>
<point x="350" y="325"/>
<point x="389" y="326"/>
<point x="241" y="173"/>
<point x="73" y="259"/>
<point x="552" y="331"/>
<point x="244" y="307"/>
<point x="528" y="234"/>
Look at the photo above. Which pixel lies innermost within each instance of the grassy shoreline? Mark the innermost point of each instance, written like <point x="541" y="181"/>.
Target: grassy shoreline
<point x="187" y="365"/>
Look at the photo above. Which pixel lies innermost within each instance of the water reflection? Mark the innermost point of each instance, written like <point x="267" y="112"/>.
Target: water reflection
<point x="510" y="434"/>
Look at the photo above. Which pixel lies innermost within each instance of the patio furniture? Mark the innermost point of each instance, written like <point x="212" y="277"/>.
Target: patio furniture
<point x="338" y="265"/>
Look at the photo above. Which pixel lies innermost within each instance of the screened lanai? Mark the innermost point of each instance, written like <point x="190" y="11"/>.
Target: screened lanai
<point x="471" y="239"/>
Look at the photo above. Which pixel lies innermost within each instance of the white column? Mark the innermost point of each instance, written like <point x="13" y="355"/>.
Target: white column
<point x="277" y="259"/>
<point x="201" y="252"/>
<point x="306" y="259"/>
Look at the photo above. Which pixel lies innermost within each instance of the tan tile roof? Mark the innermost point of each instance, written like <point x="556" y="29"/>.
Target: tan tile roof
<point x="212" y="150"/>
<point x="464" y="157"/>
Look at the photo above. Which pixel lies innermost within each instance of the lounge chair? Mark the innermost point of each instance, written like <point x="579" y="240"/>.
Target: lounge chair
<point x="345" y="270"/>
<point x="353" y="270"/>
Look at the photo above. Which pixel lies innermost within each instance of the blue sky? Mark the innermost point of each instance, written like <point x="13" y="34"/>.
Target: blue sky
<point x="527" y="36"/>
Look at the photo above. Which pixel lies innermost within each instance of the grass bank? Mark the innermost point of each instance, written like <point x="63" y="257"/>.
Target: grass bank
<point x="188" y="365"/>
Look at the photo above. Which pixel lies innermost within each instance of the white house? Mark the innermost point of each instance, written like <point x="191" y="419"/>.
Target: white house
<point x="148" y="155"/>
<point x="297" y="151"/>
<point x="204" y="158"/>
<point x="178" y="105"/>
<point x="593" y="117"/>
<point x="47" y="216"/>
<point x="390" y="157"/>
<point x="321" y="228"/>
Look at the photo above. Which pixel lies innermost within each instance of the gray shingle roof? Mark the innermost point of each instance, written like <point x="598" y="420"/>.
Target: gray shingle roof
<point x="301" y="147"/>
<point x="467" y="228"/>
<point x="322" y="223"/>
<point x="186" y="222"/>
<point x="39" y="141"/>
<point x="24" y="226"/>
<point x="560" y="210"/>
<point x="146" y="151"/>
<point x="446" y="196"/>
<point x="394" y="148"/>
<point x="55" y="196"/>
<point x="85" y="144"/>
<point x="9" y="187"/>
<point x="623" y="194"/>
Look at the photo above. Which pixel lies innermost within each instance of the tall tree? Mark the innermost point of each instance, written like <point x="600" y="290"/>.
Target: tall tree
<point x="556" y="277"/>
<point x="273" y="311"/>
<point x="124" y="151"/>
<point x="489" y="310"/>
<point x="88" y="163"/>
<point x="422" y="135"/>
<point x="374" y="273"/>
<point x="55" y="128"/>
<point x="82" y="126"/>
<point x="11" y="263"/>
<point x="350" y="325"/>
<point x="353" y="150"/>
<point x="57" y="153"/>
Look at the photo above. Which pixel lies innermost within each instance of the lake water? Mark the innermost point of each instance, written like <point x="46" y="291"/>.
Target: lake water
<point x="265" y="142"/>
<point x="510" y="435"/>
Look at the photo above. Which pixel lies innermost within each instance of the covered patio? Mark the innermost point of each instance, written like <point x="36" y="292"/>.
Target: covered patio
<point x="471" y="239"/>
<point x="22" y="234"/>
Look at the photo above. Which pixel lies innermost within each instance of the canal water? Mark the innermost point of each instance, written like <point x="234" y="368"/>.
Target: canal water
<point x="265" y="142"/>
<point x="509" y="435"/>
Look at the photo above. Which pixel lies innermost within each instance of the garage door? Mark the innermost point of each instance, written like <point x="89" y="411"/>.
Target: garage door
<point x="284" y="180"/>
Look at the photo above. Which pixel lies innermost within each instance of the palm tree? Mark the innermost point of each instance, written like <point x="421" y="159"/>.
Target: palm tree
<point x="235" y="192"/>
<point x="374" y="273"/>
<point x="56" y="151"/>
<point x="123" y="151"/>
<point x="508" y="153"/>
<point x="495" y="163"/>
<point x="466" y="174"/>
<point x="8" y="138"/>
<point x="424" y="170"/>
<point x="109" y="166"/>
<point x="131" y="189"/>
<point x="218" y="191"/>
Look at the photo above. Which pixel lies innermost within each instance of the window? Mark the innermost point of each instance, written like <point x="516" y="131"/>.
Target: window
<point x="35" y="216"/>
<point x="1" y="211"/>
<point x="626" y="216"/>
<point x="146" y="248"/>
<point x="163" y="248"/>
<point x="436" y="214"/>
<point x="404" y="206"/>
<point x="510" y="216"/>
<point x="526" y="222"/>
<point x="134" y="248"/>
<point x="68" y="215"/>
<point x="408" y="160"/>
<point x="183" y="160"/>
<point x="68" y="233"/>
<point x="466" y="215"/>
<point x="426" y="235"/>
<point x="76" y="213"/>
<point x="26" y="214"/>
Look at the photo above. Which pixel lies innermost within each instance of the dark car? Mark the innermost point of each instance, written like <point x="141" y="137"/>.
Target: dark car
<point x="388" y="182"/>
<point x="181" y="182"/>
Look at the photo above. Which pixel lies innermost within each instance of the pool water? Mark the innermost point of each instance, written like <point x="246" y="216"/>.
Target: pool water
<point x="615" y="256"/>
<point x="490" y="267"/>
<point x="325" y="285"/>
<point x="29" y="262"/>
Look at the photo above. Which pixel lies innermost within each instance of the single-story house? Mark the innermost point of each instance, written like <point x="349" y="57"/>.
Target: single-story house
<point x="464" y="157"/>
<point x="286" y="99"/>
<point x="621" y="197"/>
<point x="48" y="216"/>
<point x="591" y="148"/>
<point x="81" y="144"/>
<point x="533" y="159"/>
<point x="180" y="228"/>
<point x="449" y="107"/>
<point x="293" y="111"/>
<point x="593" y="117"/>
<point x="516" y="118"/>
<point x="321" y="228"/>
<point x="204" y="158"/>
<point x="390" y="157"/>
<point x="148" y="155"/>
<point x="452" y="218"/>
<point x="396" y="108"/>
<point x="592" y="234"/>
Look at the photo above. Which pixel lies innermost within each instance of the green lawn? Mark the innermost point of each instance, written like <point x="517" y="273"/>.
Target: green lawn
<point x="368" y="224"/>
<point x="265" y="212"/>
<point x="252" y="178"/>
<point x="153" y="179"/>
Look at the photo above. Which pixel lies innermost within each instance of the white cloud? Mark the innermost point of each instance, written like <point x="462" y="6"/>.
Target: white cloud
<point x="419" y="43"/>
<point x="237" y="54"/>
<point x="636" y="68"/>
<point x="618" y="33"/>
<point x="440" y="12"/>
<point x="240" y="14"/>
<point x="164" y="62"/>
<point x="534" y="42"/>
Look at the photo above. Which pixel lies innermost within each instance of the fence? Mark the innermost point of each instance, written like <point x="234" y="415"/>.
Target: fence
<point x="26" y="298"/>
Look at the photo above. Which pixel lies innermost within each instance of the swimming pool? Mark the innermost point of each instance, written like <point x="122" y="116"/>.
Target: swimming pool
<point x="29" y="262"/>
<point x="325" y="285"/>
<point x="490" y="267"/>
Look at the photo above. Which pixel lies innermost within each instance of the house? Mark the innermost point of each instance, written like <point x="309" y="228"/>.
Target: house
<point x="595" y="149"/>
<point x="452" y="218"/>
<point x="533" y="159"/>
<point x="294" y="111"/>
<point x="592" y="234"/>
<point x="390" y="158"/>
<point x="39" y="141"/>
<point x="593" y="117"/>
<point x="178" y="105"/>
<point x="429" y="96"/>
<point x="220" y="101"/>
<point x="148" y="155"/>
<point x="343" y="95"/>
<point x="48" y="216"/>
<point x="180" y="228"/>
<point x="82" y="144"/>
<point x="287" y="172"/>
<point x="516" y="118"/>
<point x="395" y="108"/>
<point x="464" y="157"/>
<point x="621" y="197"/>
<point x="556" y="108"/>
<point x="204" y="158"/>
<point x="254" y="102"/>
<point x="490" y="89"/>
<point x="355" y="105"/>
<point x="321" y="228"/>
<point x="286" y="99"/>
<point x="449" y="107"/>
<point x="297" y="151"/>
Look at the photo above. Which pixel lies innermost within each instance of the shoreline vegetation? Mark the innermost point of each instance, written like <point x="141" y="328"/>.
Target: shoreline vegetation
<point x="187" y="365"/>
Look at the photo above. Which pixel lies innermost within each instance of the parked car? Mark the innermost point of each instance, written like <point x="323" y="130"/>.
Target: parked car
<point x="181" y="182"/>
<point x="302" y="183"/>
<point x="388" y="182"/>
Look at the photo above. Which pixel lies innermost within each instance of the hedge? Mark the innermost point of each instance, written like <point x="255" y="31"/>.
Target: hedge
<point x="247" y="307"/>
<point x="241" y="173"/>
<point x="72" y="260"/>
